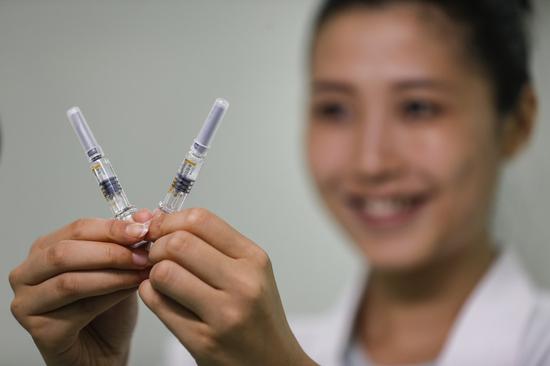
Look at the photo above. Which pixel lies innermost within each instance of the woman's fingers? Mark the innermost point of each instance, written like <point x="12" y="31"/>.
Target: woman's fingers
<point x="102" y="230"/>
<point x="143" y="215"/>
<point x="205" y="225"/>
<point x="185" y="325"/>
<point x="53" y="328"/>
<point x="195" y="255"/>
<point x="76" y="275"/>
<point x="185" y="288"/>
<point x="69" y="287"/>
<point x="72" y="255"/>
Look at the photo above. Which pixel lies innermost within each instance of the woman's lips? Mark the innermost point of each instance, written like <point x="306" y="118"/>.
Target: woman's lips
<point x="389" y="212"/>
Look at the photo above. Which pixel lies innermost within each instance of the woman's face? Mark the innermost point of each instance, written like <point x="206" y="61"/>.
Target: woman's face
<point x="402" y="137"/>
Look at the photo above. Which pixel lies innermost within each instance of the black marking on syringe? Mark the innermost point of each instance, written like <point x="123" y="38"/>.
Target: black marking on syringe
<point x="110" y="187"/>
<point x="93" y="152"/>
<point x="182" y="184"/>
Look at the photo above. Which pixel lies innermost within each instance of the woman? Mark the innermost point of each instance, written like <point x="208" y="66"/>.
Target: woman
<point x="415" y="108"/>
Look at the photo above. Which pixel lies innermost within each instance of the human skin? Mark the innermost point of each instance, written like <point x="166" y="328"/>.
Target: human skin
<point x="405" y="145"/>
<point x="75" y="293"/>
<point x="211" y="286"/>
<point x="216" y="292"/>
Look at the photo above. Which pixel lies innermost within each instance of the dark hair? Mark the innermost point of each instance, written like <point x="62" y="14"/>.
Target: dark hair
<point x="497" y="37"/>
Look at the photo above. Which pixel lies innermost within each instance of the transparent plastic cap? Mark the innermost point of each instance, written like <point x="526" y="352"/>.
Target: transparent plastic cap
<point x="212" y="122"/>
<point x="85" y="135"/>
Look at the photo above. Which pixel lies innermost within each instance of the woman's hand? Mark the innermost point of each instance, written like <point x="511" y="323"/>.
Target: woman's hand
<point x="215" y="290"/>
<point x="75" y="292"/>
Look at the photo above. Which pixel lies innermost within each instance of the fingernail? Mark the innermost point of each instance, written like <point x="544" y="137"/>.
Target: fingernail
<point x="140" y="259"/>
<point x="137" y="230"/>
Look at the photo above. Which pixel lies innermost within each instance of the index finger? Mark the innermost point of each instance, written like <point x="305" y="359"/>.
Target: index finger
<point x="100" y="230"/>
<point x="72" y="255"/>
<point x="206" y="226"/>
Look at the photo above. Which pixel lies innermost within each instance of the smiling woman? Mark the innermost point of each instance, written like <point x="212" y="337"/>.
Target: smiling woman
<point x="415" y="108"/>
<point x="408" y="130"/>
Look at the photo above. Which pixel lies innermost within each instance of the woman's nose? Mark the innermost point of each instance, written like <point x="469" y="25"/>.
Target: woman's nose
<point x="376" y="154"/>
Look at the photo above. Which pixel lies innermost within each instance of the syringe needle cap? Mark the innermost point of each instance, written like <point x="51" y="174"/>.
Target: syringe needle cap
<point x="212" y="122"/>
<point x="82" y="130"/>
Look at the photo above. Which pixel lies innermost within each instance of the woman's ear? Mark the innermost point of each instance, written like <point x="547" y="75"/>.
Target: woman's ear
<point x="519" y="125"/>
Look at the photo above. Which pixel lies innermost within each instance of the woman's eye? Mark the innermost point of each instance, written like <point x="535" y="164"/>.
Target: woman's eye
<point x="417" y="109"/>
<point x="333" y="112"/>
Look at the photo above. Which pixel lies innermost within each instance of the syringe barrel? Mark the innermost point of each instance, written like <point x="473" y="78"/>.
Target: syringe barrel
<point x="183" y="182"/>
<point x="112" y="190"/>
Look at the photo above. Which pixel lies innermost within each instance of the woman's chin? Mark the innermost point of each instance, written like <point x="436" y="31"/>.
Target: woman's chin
<point x="395" y="256"/>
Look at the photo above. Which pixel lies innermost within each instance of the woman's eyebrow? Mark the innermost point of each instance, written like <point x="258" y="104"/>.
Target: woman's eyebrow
<point x="332" y="86"/>
<point x="404" y="85"/>
<point x="318" y="86"/>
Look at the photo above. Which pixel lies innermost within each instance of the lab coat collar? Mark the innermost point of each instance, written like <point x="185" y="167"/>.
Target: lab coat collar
<point x="489" y="327"/>
<point x="493" y="320"/>
<point x="340" y="325"/>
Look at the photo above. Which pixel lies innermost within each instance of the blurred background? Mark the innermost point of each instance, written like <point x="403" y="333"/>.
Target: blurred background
<point x="145" y="74"/>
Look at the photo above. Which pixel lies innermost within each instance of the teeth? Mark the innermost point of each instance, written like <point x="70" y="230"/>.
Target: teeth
<point x="381" y="208"/>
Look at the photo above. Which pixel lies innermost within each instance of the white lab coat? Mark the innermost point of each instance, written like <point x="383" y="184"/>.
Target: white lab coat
<point x="505" y="322"/>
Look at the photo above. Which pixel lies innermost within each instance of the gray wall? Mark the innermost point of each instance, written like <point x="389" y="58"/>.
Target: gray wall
<point x="145" y="74"/>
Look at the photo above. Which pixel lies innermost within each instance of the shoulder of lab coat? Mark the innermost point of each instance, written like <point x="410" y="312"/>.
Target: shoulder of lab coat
<point x="505" y="322"/>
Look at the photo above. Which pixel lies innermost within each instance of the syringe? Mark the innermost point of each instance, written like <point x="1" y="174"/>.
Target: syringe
<point x="189" y="170"/>
<point x="101" y="167"/>
<point x="191" y="165"/>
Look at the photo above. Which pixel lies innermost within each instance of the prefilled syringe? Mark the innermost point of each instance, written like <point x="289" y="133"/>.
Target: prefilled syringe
<point x="101" y="167"/>
<point x="189" y="170"/>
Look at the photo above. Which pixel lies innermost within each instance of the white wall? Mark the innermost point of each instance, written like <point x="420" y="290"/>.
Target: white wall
<point x="145" y="74"/>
